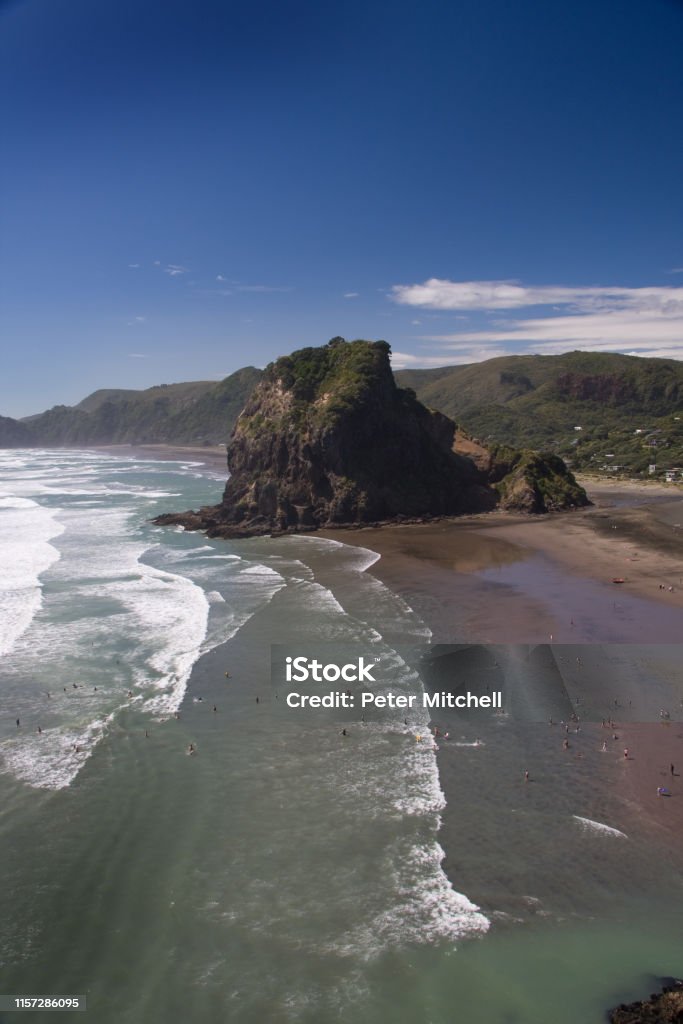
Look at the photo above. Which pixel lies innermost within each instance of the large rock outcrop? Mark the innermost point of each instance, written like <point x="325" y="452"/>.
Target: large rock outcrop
<point x="328" y="439"/>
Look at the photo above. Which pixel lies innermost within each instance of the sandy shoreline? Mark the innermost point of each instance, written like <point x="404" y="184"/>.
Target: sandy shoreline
<point x="213" y="455"/>
<point x="503" y="578"/>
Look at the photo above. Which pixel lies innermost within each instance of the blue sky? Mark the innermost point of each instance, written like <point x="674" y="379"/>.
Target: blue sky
<point x="190" y="188"/>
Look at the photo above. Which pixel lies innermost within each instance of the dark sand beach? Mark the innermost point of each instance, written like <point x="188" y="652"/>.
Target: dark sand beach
<point x="511" y="580"/>
<point x="503" y="578"/>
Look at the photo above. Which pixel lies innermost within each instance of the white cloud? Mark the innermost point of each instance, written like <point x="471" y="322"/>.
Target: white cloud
<point x="133" y="266"/>
<point x="351" y="295"/>
<point x="219" y="277"/>
<point x="137" y="355"/>
<point x="492" y="295"/>
<point x="676" y="270"/>
<point x="174" y="270"/>
<point x="646" y="320"/>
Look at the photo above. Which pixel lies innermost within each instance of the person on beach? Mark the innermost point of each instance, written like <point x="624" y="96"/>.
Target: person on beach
<point x="672" y="771"/>
<point x="18" y="723"/>
<point x="565" y="744"/>
<point x="604" y="746"/>
<point x="626" y="752"/>
<point x="526" y="776"/>
<point x="215" y="709"/>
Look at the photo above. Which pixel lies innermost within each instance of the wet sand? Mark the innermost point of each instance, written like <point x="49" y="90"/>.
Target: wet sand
<point x="503" y="578"/>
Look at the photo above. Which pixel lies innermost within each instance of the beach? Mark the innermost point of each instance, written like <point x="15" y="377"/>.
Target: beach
<point x="511" y="578"/>
<point x="308" y="865"/>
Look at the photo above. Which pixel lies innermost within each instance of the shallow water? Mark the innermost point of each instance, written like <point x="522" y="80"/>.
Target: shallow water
<point x="284" y="872"/>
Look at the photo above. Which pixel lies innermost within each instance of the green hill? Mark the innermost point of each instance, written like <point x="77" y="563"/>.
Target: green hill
<point x="629" y="409"/>
<point x="195" y="413"/>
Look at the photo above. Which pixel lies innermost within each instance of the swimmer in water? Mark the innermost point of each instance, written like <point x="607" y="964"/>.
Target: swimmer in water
<point x="190" y="749"/>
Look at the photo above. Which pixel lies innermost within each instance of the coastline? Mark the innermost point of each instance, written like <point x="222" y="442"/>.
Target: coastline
<point x="213" y="456"/>
<point x="510" y="579"/>
<point x="504" y="578"/>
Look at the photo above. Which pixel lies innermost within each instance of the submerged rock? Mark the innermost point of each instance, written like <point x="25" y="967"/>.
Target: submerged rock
<point x="327" y="439"/>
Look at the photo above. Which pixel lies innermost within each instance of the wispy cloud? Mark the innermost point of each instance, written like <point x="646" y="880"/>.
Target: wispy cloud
<point x="676" y="270"/>
<point x="174" y="270"/>
<point x="466" y="354"/>
<point x="351" y="295"/>
<point x="133" y="266"/>
<point x="219" y="277"/>
<point x="646" y="321"/>
<point x="261" y="288"/>
<point x="137" y="355"/>
<point x="136" y="321"/>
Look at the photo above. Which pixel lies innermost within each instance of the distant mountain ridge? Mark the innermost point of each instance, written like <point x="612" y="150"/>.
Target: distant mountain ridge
<point x="629" y="409"/>
<point x="194" y="413"/>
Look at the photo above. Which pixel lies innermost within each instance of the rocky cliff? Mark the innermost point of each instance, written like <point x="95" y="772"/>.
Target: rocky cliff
<point x="328" y="439"/>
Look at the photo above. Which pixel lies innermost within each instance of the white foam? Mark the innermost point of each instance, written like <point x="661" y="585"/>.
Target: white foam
<point x="25" y="553"/>
<point x="598" y="827"/>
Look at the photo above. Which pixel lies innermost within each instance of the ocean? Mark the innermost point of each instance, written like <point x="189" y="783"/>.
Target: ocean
<point x="285" y="871"/>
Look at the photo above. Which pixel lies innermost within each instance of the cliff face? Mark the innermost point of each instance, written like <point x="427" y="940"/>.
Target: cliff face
<point x="328" y="439"/>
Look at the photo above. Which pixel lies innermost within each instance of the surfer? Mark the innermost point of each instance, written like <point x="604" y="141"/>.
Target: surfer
<point x="191" y="748"/>
<point x="18" y="723"/>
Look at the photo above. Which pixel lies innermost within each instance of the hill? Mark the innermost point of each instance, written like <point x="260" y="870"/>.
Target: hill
<point x="195" y="413"/>
<point x="597" y="410"/>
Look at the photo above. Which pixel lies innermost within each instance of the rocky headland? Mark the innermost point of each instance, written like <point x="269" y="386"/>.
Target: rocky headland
<point x="327" y="439"/>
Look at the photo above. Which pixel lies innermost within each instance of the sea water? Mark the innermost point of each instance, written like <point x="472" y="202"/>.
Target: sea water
<point x="284" y="871"/>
